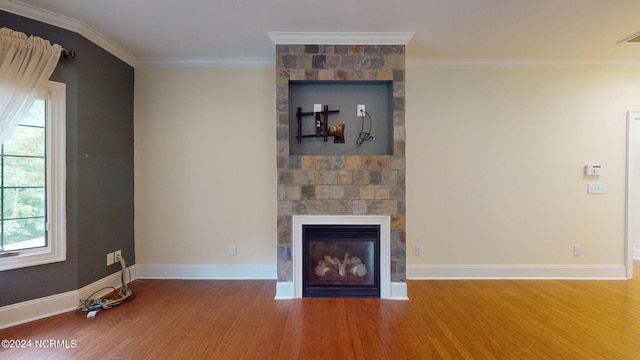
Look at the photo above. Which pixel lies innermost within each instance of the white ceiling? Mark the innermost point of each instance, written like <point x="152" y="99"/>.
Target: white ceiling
<point x="532" y="30"/>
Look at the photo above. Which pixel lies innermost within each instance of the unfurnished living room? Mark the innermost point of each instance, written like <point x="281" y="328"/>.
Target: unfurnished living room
<point x="320" y="180"/>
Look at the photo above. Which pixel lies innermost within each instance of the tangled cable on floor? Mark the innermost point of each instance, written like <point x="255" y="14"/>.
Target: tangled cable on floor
<point x="114" y="298"/>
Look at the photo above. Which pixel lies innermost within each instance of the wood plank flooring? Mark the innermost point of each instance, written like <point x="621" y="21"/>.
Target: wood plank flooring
<point x="477" y="319"/>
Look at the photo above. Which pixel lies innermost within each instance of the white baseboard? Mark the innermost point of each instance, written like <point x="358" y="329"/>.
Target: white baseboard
<point x="35" y="309"/>
<point x="555" y="272"/>
<point x="206" y="272"/>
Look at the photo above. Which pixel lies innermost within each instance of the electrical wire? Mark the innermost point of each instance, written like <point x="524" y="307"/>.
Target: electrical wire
<point x="365" y="136"/>
<point x="114" y="298"/>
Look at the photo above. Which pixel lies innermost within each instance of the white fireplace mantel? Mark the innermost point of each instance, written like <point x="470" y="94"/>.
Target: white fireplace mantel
<point x="388" y="290"/>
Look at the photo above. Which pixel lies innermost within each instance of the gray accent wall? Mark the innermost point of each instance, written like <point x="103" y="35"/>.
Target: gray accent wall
<point x="100" y="182"/>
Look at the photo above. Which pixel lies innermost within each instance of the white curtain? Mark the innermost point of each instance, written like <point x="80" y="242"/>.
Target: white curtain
<point x="26" y="62"/>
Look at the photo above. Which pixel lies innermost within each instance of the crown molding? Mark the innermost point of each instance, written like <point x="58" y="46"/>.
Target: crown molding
<point x="503" y="64"/>
<point x="341" y="38"/>
<point x="67" y="23"/>
<point x="239" y="62"/>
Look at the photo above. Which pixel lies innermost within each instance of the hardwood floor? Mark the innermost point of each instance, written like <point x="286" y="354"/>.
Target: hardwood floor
<point x="198" y="319"/>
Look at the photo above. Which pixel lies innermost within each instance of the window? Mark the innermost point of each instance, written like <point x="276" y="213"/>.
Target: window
<point x="32" y="185"/>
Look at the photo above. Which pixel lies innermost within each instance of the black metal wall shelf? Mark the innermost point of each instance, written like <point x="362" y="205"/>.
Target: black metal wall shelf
<point x="322" y="126"/>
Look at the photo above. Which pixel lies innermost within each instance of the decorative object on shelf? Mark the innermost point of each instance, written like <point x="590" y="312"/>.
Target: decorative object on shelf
<point x="322" y="126"/>
<point x="349" y="266"/>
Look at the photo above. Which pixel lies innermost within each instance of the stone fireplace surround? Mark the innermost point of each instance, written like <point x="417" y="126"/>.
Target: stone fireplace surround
<point x="341" y="188"/>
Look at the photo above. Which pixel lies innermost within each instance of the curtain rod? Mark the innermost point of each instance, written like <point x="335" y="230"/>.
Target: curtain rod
<point x="64" y="53"/>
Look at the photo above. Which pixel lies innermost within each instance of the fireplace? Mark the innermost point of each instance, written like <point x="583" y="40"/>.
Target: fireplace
<point x="341" y="261"/>
<point x="387" y="288"/>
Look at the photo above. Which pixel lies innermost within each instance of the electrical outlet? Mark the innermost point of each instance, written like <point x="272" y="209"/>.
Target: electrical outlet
<point x="116" y="254"/>
<point x="317" y="107"/>
<point x="419" y="250"/>
<point x="110" y="259"/>
<point x="233" y="251"/>
<point x="361" y="110"/>
<point x="577" y="250"/>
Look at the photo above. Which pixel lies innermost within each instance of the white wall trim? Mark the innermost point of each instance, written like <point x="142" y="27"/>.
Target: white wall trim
<point x="284" y="290"/>
<point x="341" y="38"/>
<point x="67" y="23"/>
<point x="35" y="309"/>
<point x="505" y="64"/>
<point x="632" y="118"/>
<point x="508" y="272"/>
<point x="398" y="291"/>
<point x="237" y="62"/>
<point x="206" y="272"/>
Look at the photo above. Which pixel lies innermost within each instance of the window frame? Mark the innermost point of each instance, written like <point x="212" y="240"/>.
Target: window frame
<point x="56" y="249"/>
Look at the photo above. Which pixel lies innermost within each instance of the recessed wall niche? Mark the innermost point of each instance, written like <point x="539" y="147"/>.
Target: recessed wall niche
<point x="368" y="135"/>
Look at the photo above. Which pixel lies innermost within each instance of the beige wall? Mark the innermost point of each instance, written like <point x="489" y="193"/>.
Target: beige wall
<point x="494" y="165"/>
<point x="205" y="166"/>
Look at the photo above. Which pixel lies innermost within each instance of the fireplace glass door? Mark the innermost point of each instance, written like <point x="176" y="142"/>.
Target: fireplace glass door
<point x="341" y="261"/>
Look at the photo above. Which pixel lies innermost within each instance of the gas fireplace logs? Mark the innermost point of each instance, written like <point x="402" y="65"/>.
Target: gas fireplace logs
<point x="349" y="266"/>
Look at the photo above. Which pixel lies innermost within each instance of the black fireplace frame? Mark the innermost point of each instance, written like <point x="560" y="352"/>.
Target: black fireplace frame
<point x="341" y="233"/>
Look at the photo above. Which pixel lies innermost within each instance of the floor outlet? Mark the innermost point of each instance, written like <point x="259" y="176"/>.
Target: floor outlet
<point x="419" y="250"/>
<point x="233" y="250"/>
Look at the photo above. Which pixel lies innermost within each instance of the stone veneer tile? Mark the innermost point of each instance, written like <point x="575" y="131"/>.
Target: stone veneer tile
<point x="293" y="192"/>
<point x="352" y="192"/>
<point x="381" y="192"/>
<point x="345" y="177"/>
<point x="303" y="177"/>
<point x="397" y="222"/>
<point x="390" y="177"/>
<point x="294" y="162"/>
<point x="337" y="207"/>
<point x="376" y="162"/>
<point x="375" y="177"/>
<point x="353" y="162"/>
<point x="308" y="192"/>
<point x="326" y="75"/>
<point x="328" y="177"/>
<point x="285" y="177"/>
<point x="285" y="208"/>
<point x="359" y="207"/>
<point x="356" y="49"/>
<point x="323" y="192"/>
<point x="397" y="162"/>
<point x="361" y="177"/>
<point x="309" y="162"/>
<point x="284" y="223"/>
<point x="336" y="192"/>
<point x="367" y="192"/>
<point x="389" y="207"/>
